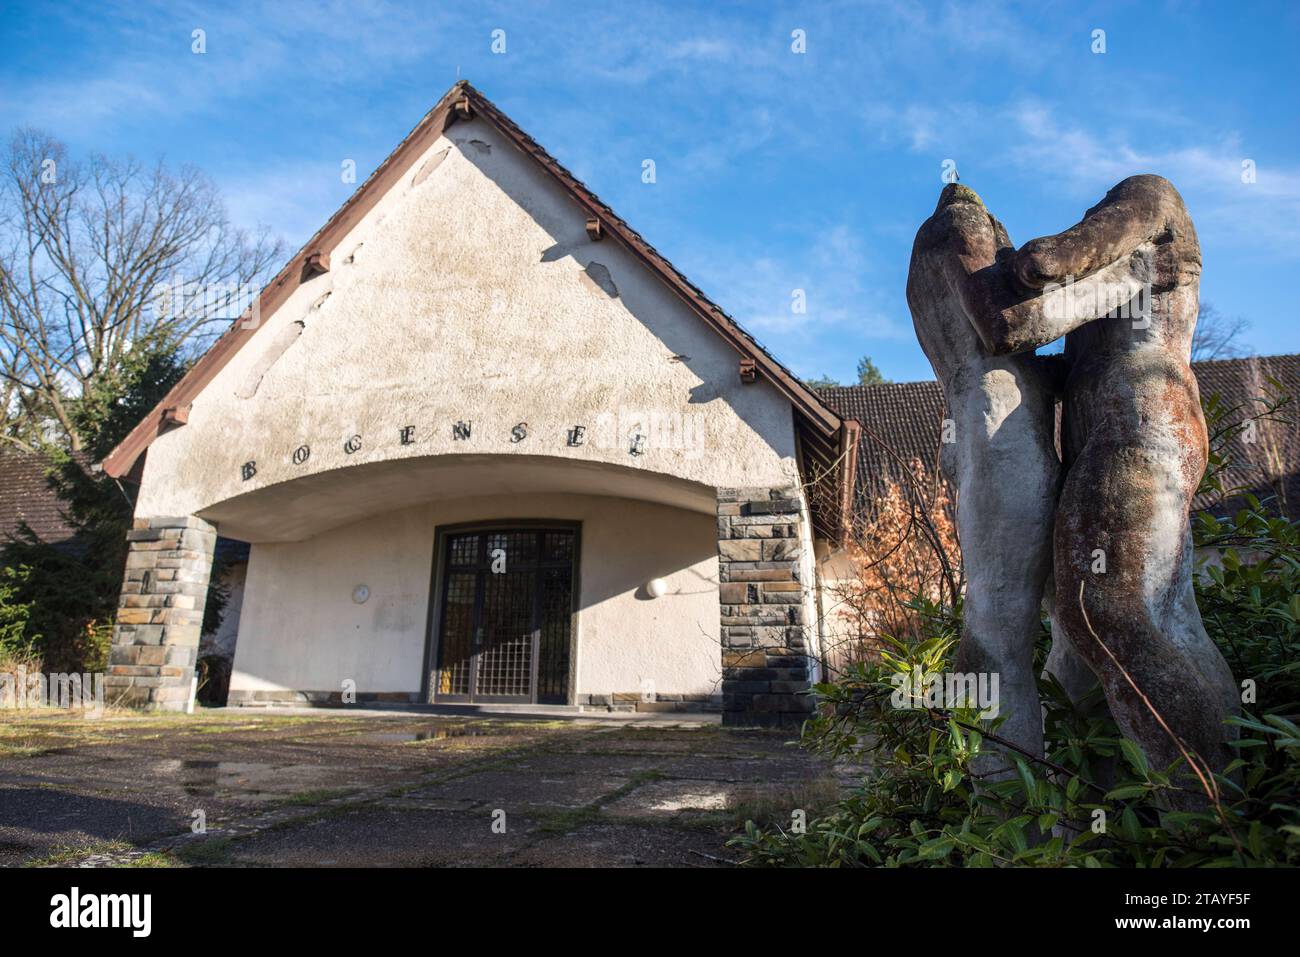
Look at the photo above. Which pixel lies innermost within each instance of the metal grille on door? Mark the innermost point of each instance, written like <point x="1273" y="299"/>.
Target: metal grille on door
<point x="507" y="604"/>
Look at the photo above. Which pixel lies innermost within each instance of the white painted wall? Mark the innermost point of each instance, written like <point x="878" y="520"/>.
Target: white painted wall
<point x="465" y="297"/>
<point x="300" y="630"/>
<point x="839" y="626"/>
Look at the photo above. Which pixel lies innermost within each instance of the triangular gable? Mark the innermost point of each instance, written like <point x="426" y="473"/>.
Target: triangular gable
<point x="825" y="438"/>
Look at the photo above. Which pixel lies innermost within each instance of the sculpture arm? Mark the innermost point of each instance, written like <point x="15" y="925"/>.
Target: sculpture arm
<point x="1140" y="210"/>
<point x="1008" y="318"/>
<point x="981" y="267"/>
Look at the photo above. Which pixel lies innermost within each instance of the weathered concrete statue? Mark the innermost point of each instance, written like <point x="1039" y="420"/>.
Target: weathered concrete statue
<point x="1122" y="286"/>
<point x="1001" y="460"/>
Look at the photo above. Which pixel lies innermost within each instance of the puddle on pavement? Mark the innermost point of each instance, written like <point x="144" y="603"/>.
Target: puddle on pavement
<point x="250" y="780"/>
<point x="437" y="733"/>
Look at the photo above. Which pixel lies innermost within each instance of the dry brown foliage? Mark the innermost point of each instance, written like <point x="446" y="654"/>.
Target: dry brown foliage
<point x="902" y="546"/>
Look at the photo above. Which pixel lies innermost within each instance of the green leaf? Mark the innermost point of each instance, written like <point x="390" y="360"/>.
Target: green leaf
<point x="1027" y="781"/>
<point x="1126" y="792"/>
<point x="1134" y="755"/>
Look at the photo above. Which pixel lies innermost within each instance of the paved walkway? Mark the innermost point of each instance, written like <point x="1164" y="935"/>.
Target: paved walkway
<point x="378" y="788"/>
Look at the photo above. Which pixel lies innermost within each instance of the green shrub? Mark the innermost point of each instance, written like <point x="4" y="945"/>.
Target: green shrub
<point x="70" y="589"/>
<point x="15" y="638"/>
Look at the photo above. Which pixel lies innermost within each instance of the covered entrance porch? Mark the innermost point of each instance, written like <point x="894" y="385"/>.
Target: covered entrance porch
<point x="488" y="580"/>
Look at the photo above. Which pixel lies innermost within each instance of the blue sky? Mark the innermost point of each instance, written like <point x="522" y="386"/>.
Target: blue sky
<point x="775" y="170"/>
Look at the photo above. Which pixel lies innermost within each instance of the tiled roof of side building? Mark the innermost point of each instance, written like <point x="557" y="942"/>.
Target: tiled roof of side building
<point x="26" y="496"/>
<point x="902" y="422"/>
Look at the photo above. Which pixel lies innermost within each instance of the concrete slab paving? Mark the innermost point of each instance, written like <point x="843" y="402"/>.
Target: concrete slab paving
<point x="240" y="788"/>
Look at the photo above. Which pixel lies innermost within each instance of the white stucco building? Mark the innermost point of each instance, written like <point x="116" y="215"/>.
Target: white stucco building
<point x="487" y="446"/>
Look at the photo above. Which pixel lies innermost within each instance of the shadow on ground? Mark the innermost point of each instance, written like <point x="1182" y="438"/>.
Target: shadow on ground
<point x="229" y="788"/>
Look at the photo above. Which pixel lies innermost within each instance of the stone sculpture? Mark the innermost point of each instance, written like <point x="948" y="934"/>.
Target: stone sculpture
<point x="1001" y="461"/>
<point x="1122" y="287"/>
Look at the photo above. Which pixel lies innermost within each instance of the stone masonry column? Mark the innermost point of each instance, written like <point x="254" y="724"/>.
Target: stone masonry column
<point x="160" y="615"/>
<point x="765" y="661"/>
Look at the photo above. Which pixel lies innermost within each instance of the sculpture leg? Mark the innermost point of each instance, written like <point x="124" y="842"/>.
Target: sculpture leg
<point x="1006" y="503"/>
<point x="1189" y="631"/>
<point x="1117" y="539"/>
<point x="1064" y="663"/>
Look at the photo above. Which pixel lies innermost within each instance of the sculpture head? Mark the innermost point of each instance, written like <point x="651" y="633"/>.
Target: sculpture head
<point x="958" y="193"/>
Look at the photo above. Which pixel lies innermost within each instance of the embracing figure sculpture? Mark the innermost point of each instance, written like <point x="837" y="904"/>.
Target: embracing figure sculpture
<point x="1122" y="287"/>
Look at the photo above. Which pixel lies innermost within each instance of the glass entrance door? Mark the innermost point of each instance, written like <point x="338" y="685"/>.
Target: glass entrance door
<point x="505" y="627"/>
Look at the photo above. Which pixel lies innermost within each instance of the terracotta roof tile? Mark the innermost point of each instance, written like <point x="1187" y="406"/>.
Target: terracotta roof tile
<point x="901" y="423"/>
<point x="25" y="496"/>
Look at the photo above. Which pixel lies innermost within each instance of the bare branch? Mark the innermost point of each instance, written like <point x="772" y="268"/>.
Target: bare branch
<point x="85" y="248"/>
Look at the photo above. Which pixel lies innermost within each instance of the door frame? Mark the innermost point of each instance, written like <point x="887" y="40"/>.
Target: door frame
<point x="433" y="627"/>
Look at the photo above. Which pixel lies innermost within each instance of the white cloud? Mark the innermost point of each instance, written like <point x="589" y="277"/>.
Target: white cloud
<point x="702" y="48"/>
<point x="1264" y="214"/>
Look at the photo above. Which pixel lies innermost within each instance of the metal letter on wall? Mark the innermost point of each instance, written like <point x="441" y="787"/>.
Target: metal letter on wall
<point x="352" y="445"/>
<point x="301" y="454"/>
<point x="248" y="470"/>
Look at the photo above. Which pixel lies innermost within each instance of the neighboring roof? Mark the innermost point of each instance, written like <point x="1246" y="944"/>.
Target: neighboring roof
<point x="900" y="424"/>
<point x="26" y="497"/>
<point x="1269" y="465"/>
<point x="819" y="427"/>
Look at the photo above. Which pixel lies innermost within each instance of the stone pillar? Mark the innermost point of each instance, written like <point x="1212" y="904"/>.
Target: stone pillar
<point x="765" y="661"/>
<point x="160" y="615"/>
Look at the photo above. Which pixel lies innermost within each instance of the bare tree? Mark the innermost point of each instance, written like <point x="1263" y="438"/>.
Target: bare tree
<point x="97" y="257"/>
<point x="1218" y="336"/>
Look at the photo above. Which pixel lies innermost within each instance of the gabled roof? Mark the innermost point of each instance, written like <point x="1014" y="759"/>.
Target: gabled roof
<point x="821" y="430"/>
<point x="901" y="423"/>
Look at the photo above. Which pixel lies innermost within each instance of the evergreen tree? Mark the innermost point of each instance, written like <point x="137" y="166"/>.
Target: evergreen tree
<point x="70" y="589"/>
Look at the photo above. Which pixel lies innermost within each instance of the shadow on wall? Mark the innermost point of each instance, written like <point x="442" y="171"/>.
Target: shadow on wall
<point x="624" y="546"/>
<point x="217" y="646"/>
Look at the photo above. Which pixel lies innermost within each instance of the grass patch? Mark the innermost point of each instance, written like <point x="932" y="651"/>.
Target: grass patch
<point x="570" y="819"/>
<point x="68" y="853"/>
<point x="152" y="859"/>
<point x="14" y="750"/>
<point x="770" y="805"/>
<point x="209" y="850"/>
<point x="225" y="728"/>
